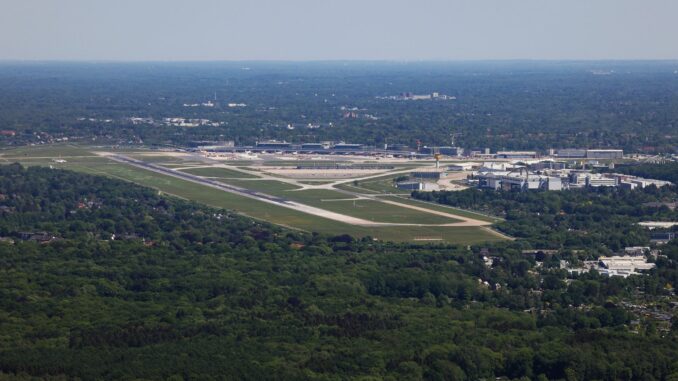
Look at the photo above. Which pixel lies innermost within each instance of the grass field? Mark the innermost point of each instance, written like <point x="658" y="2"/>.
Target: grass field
<point x="318" y="196"/>
<point x="379" y="212"/>
<point x="434" y="234"/>
<point x="179" y="165"/>
<point x="223" y="173"/>
<point x="382" y="184"/>
<point x="272" y="187"/>
<point x="442" y="208"/>
<point x="337" y="202"/>
<point x="48" y="151"/>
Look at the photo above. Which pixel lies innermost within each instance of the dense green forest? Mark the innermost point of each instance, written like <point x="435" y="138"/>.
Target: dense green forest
<point x="101" y="279"/>
<point x="500" y="105"/>
<point x="595" y="219"/>
<point x="667" y="171"/>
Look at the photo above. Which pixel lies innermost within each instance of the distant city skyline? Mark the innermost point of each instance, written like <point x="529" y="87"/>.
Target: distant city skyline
<point x="300" y="30"/>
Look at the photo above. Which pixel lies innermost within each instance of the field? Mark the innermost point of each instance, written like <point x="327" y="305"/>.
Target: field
<point x="273" y="187"/>
<point x="385" y="217"/>
<point x="223" y="173"/>
<point x="382" y="184"/>
<point x="443" y="208"/>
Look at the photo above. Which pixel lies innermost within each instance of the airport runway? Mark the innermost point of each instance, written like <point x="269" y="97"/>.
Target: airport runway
<point x="275" y="200"/>
<point x="285" y="203"/>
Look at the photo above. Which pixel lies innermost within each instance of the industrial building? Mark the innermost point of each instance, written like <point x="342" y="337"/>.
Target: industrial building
<point x="633" y="182"/>
<point x="447" y="151"/>
<point x="417" y="185"/>
<point x="333" y="166"/>
<point x="547" y="164"/>
<point x="319" y="147"/>
<point x="517" y="181"/>
<point x="396" y="147"/>
<point x="581" y="179"/>
<point x="273" y="144"/>
<point x="662" y="238"/>
<point x="517" y="155"/>
<point x="594" y="180"/>
<point x="433" y="174"/>
<point x="571" y="153"/>
<point x="619" y="265"/>
<point x="410" y="185"/>
<point x="347" y="146"/>
<point x="491" y="166"/>
<point x="211" y="144"/>
<point x="503" y="176"/>
<point x="651" y="225"/>
<point x="636" y="250"/>
<point x="579" y="153"/>
<point x="315" y="146"/>
<point x="461" y="167"/>
<point x="604" y="154"/>
<point x="623" y="265"/>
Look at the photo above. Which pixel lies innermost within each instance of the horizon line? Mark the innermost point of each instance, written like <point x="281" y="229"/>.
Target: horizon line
<point x="347" y="60"/>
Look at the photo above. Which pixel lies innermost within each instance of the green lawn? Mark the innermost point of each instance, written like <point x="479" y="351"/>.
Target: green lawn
<point x="46" y="151"/>
<point x="380" y="212"/>
<point x="317" y="196"/>
<point x="322" y="198"/>
<point x="272" y="187"/>
<point x="458" y="235"/>
<point x="70" y="160"/>
<point x="442" y="208"/>
<point x="180" y="165"/>
<point x="382" y="184"/>
<point x="374" y="186"/>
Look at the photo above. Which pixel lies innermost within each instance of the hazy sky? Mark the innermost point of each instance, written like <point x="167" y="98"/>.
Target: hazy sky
<point x="338" y="29"/>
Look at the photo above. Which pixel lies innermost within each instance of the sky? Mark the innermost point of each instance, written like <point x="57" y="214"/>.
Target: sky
<point x="299" y="30"/>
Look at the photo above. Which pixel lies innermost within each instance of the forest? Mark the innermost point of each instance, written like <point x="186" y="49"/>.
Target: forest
<point x="498" y="105"/>
<point x="102" y="279"/>
<point x="600" y="220"/>
<point x="667" y="171"/>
